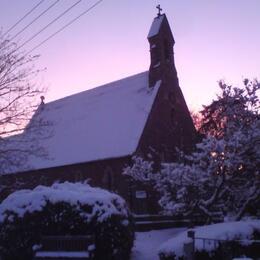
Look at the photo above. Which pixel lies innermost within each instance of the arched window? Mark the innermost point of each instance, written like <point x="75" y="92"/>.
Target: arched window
<point x="78" y="177"/>
<point x="107" y="179"/>
<point x="43" y="180"/>
<point x="155" y="56"/>
<point x="167" y="55"/>
<point x="172" y="116"/>
<point x="172" y="98"/>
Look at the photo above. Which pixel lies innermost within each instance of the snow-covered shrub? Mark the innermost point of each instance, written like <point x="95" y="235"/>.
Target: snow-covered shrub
<point x="221" y="177"/>
<point x="237" y="235"/>
<point x="65" y="209"/>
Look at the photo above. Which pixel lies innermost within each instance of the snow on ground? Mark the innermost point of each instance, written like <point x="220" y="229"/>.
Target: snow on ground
<point x="241" y="230"/>
<point x="147" y="243"/>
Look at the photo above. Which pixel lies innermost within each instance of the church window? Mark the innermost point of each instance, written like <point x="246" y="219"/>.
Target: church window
<point x="43" y="180"/>
<point x="162" y="156"/>
<point x="173" y="117"/>
<point x="78" y="176"/>
<point x="181" y="138"/>
<point x="155" y="55"/>
<point x="166" y="50"/>
<point x="172" y="97"/>
<point x="108" y="178"/>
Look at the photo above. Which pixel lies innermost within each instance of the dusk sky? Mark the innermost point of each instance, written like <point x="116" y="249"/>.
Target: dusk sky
<point x="214" y="40"/>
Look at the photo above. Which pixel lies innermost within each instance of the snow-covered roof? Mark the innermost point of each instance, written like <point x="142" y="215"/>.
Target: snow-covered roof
<point x="156" y="25"/>
<point x="100" y="123"/>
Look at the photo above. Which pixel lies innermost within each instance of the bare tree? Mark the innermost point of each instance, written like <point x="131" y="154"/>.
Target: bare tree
<point x="19" y="100"/>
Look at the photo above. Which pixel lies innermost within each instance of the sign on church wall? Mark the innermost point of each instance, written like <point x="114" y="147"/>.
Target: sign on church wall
<point x="141" y="194"/>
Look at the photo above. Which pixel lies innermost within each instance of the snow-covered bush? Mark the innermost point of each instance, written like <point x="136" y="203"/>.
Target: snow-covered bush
<point x="238" y="235"/>
<point x="65" y="209"/>
<point x="221" y="177"/>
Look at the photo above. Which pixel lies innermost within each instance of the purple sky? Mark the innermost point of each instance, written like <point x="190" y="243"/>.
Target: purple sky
<point x="214" y="40"/>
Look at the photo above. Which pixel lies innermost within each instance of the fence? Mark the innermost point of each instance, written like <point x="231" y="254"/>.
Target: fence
<point x="223" y="246"/>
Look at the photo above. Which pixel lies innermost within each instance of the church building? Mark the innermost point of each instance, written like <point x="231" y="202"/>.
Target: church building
<point x="96" y="133"/>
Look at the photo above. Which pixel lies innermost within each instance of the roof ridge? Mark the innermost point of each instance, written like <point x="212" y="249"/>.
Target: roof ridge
<point x="94" y="88"/>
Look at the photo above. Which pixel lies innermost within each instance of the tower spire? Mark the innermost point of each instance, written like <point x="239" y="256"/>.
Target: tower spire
<point x="161" y="48"/>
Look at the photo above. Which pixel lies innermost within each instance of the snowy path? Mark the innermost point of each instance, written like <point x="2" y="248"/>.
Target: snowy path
<point x="147" y="243"/>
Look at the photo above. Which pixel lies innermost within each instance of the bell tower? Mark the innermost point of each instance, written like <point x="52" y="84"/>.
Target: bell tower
<point x="161" y="48"/>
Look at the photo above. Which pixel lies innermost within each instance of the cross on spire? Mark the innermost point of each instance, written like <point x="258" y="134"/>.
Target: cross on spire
<point x="42" y="99"/>
<point x="159" y="10"/>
